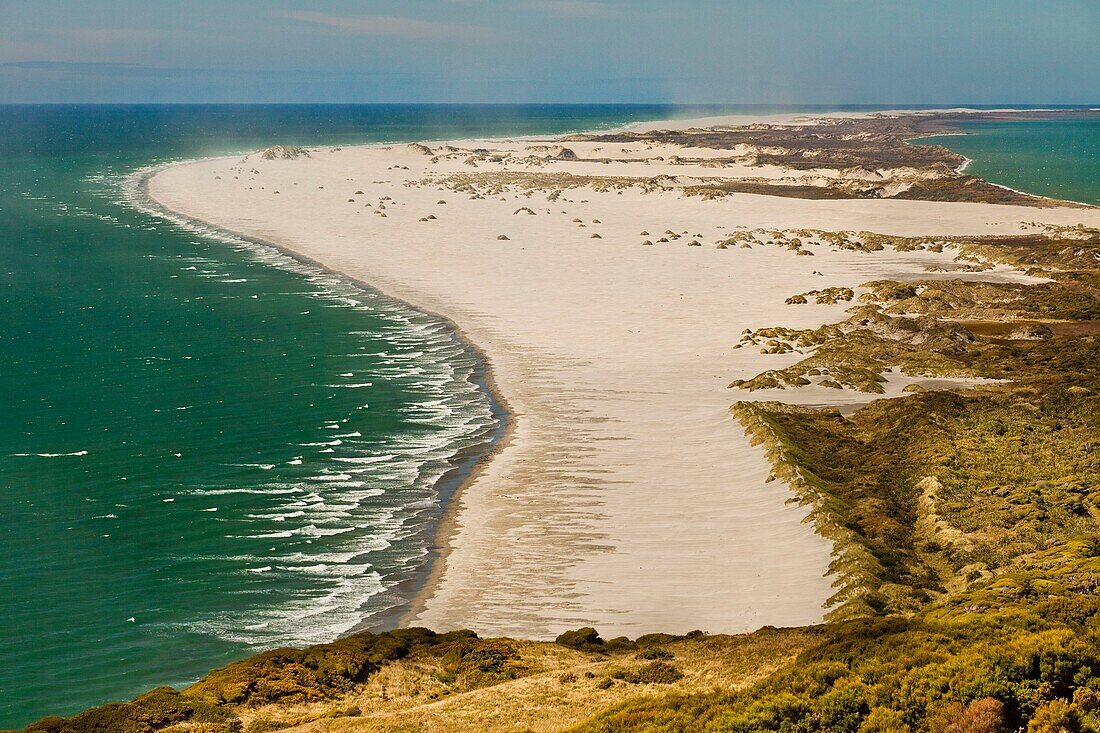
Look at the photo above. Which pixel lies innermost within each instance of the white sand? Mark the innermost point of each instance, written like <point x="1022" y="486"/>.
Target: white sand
<point x="626" y="497"/>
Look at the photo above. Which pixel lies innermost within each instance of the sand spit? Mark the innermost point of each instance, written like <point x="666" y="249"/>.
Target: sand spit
<point x="625" y="496"/>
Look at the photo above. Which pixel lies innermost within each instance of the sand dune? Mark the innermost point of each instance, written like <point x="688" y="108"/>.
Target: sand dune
<point x="625" y="496"/>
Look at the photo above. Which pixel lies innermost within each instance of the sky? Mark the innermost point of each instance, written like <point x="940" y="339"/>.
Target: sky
<point x="568" y="51"/>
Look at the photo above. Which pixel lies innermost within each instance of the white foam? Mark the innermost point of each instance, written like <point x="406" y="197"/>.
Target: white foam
<point x="263" y="536"/>
<point x="274" y="490"/>
<point x="366" y="459"/>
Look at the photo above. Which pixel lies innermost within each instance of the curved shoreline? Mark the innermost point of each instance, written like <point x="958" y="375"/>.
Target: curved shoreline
<point x="466" y="465"/>
<point x="622" y="495"/>
<point x="449" y="487"/>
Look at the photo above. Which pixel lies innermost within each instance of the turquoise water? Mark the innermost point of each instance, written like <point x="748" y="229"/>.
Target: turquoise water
<point x="207" y="448"/>
<point x="1059" y="158"/>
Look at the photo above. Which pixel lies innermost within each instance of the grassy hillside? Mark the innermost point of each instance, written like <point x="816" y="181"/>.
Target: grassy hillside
<point x="414" y="679"/>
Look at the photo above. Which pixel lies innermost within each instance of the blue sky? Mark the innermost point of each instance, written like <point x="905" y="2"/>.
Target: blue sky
<point x="711" y="51"/>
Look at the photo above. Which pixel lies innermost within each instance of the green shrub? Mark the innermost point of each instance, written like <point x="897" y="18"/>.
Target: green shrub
<point x="618" y="644"/>
<point x="884" y="720"/>
<point x="656" y="673"/>
<point x="1058" y="716"/>
<point x="654" y="652"/>
<point x="585" y="639"/>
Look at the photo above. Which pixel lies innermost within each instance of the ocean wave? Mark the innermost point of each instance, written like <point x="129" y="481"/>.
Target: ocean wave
<point x="366" y="459"/>
<point x="272" y="490"/>
<point x="262" y="536"/>
<point x="277" y="516"/>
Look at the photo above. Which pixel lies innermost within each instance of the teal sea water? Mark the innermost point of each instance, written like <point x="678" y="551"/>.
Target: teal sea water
<point x="1059" y="158"/>
<point x="207" y="448"/>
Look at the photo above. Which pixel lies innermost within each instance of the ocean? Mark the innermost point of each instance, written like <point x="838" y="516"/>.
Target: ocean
<point x="208" y="448"/>
<point x="1059" y="158"/>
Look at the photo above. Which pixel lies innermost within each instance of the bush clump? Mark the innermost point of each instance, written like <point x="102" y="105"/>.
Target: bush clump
<point x="152" y="711"/>
<point x="585" y="639"/>
<point x="316" y="673"/>
<point x="655" y="652"/>
<point x="657" y="673"/>
<point x="654" y="673"/>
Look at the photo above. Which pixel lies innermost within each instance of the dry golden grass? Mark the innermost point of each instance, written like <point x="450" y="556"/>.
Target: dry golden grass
<point x="562" y="688"/>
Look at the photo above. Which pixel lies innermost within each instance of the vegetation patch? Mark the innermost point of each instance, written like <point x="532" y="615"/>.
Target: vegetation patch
<point x="155" y="710"/>
<point x="826" y="296"/>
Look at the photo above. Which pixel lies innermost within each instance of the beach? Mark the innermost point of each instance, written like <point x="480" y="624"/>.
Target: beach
<point x="623" y="496"/>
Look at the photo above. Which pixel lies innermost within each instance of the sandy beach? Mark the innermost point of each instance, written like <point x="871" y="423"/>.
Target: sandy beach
<point x="625" y="496"/>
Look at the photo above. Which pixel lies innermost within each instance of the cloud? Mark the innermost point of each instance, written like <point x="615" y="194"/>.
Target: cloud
<point x="112" y="35"/>
<point x="391" y="26"/>
<point x="570" y="8"/>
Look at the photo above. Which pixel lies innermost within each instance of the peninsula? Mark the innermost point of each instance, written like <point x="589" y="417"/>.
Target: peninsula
<point x="607" y="279"/>
<point x="691" y="326"/>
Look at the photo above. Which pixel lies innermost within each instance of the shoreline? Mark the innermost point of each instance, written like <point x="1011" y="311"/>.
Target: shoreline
<point x="449" y="486"/>
<point x="450" y="525"/>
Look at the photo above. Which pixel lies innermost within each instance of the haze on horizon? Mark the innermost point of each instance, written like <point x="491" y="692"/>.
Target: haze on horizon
<point x="573" y="51"/>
